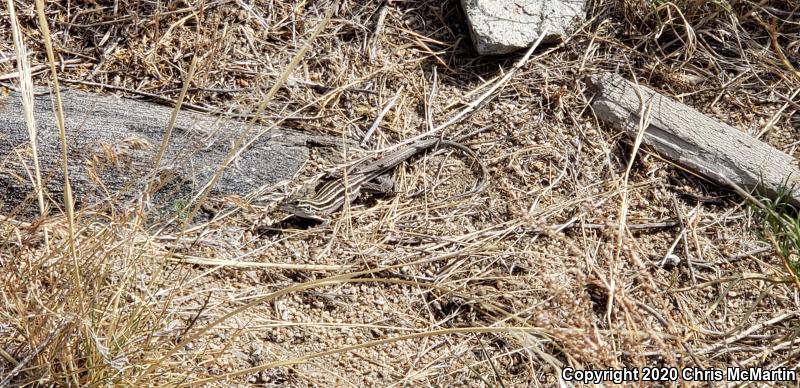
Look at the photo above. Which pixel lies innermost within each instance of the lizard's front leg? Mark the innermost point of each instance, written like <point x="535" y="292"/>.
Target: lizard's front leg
<point x="382" y="184"/>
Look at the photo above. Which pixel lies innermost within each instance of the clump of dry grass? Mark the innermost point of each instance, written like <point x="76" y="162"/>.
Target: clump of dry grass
<point x="103" y="331"/>
<point x="506" y="288"/>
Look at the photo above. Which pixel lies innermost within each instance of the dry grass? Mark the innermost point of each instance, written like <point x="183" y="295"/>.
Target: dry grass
<point x="568" y="259"/>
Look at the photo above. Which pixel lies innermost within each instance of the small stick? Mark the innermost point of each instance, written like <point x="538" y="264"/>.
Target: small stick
<point x="776" y="116"/>
<point x="255" y="265"/>
<point x="42" y="68"/>
<point x="480" y="100"/>
<point x="485" y="96"/>
<point x="431" y="97"/>
<point x="378" y="119"/>
<point x="154" y="96"/>
<point x="47" y="341"/>
<point x="749" y="253"/>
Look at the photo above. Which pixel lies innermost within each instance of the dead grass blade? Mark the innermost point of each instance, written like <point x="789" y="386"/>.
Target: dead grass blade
<point x="26" y="89"/>
<point x="62" y="133"/>
<point x="197" y="201"/>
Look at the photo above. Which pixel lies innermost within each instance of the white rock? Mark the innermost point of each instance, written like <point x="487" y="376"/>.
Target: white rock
<point x="503" y="26"/>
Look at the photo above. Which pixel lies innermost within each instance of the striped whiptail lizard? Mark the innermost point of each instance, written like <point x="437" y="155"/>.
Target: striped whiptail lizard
<point x="332" y="195"/>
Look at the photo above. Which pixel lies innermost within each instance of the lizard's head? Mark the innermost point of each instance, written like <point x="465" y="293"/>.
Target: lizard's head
<point x="300" y="208"/>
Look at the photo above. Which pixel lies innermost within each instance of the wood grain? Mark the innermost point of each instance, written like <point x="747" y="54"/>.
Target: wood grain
<point x="693" y="140"/>
<point x="112" y="145"/>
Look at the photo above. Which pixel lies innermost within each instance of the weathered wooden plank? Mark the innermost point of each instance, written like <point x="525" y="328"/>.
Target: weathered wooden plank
<point x="112" y="145"/>
<point x="693" y="140"/>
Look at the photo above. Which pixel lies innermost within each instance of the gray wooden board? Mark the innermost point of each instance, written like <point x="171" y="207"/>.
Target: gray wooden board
<point x="693" y="140"/>
<point x="112" y="143"/>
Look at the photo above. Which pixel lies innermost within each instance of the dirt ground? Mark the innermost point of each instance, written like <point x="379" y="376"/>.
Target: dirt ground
<point x="507" y="287"/>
